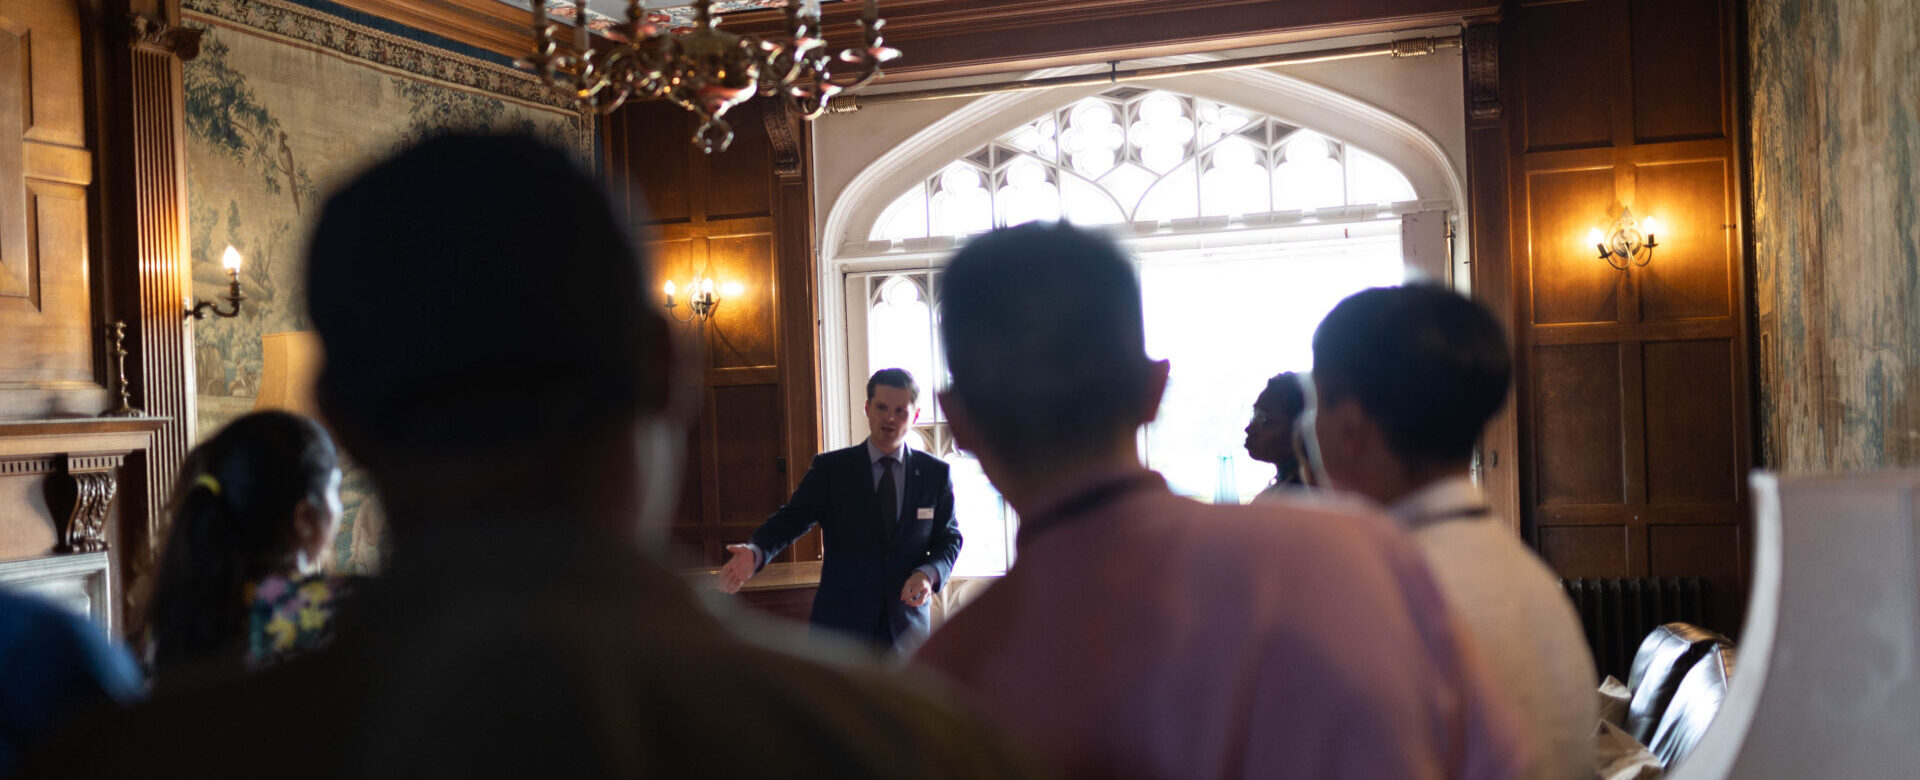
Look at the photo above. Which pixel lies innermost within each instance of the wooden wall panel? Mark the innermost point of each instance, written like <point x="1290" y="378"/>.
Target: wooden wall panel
<point x="1690" y="422"/>
<point x="29" y="529"/>
<point x="746" y="454"/>
<point x="654" y="164"/>
<point x="716" y="216"/>
<point x="1679" y="76"/>
<point x="1586" y="551"/>
<point x="742" y="334"/>
<point x="1569" y="285"/>
<point x="740" y="181"/>
<point x="1692" y="272"/>
<point x="1711" y="551"/>
<point x="1577" y="420"/>
<point x="1633" y="384"/>
<point x="1569" y="98"/>
<point x="49" y="361"/>
<point x="18" y="276"/>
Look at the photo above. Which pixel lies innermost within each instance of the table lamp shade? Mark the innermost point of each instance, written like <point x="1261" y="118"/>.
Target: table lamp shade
<point x="292" y="363"/>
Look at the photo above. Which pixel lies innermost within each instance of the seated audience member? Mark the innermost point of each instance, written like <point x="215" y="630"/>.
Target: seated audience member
<point x="1405" y="378"/>
<point x="505" y="378"/>
<point x="240" y="586"/>
<point x="53" y="665"/>
<point x="1144" y="635"/>
<point x="1270" y="433"/>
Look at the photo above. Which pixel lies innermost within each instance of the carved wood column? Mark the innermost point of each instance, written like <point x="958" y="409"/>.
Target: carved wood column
<point x="794" y="289"/>
<point x="143" y="116"/>
<point x="1487" y="183"/>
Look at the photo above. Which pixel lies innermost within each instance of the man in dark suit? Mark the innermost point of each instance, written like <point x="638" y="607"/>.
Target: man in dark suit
<point x="886" y="514"/>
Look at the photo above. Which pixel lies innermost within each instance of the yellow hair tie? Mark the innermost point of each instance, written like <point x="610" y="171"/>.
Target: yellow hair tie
<point x="207" y="481"/>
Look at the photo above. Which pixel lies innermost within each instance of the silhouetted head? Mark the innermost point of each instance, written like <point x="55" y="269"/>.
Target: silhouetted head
<point x="1405" y="379"/>
<point x="487" y="333"/>
<point x="1270" y="432"/>
<point x="1044" y="336"/>
<point x="260" y="497"/>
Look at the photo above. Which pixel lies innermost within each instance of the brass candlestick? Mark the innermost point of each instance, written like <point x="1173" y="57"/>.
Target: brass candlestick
<point x="117" y="348"/>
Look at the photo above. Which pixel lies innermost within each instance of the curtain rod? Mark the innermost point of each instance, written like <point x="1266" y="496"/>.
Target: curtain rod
<point x="1405" y="47"/>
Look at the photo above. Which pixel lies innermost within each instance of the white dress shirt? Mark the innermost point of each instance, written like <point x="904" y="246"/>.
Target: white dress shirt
<point x="1526" y="631"/>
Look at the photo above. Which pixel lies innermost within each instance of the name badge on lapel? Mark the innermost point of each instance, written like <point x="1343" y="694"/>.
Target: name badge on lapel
<point x="923" y="513"/>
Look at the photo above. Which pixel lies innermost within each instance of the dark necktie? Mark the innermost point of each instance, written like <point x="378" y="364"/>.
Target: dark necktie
<point x="887" y="497"/>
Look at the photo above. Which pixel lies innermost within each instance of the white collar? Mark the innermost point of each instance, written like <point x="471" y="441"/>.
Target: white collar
<point x="1445" y="497"/>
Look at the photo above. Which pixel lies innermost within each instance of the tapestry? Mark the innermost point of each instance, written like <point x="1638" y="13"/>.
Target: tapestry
<point x="1836" y="233"/>
<point x="285" y="103"/>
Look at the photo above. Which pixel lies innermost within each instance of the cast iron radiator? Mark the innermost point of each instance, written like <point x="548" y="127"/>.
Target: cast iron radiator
<point x="1617" y="613"/>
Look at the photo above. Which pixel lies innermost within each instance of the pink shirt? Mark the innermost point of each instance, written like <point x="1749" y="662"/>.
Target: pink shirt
<point x="1152" y="636"/>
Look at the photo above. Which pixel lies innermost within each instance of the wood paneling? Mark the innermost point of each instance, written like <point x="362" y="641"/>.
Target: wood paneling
<point x="1569" y="284"/>
<point x="1595" y="551"/>
<point x="742" y="332"/>
<point x="1715" y="552"/>
<point x="1568" y="92"/>
<point x="745" y="454"/>
<point x="1679" y="75"/>
<point x="717" y="216"/>
<point x="1690" y="422"/>
<point x="1577" y="423"/>
<point x="1691" y="275"/>
<point x="49" y="362"/>
<point x="1633" y="385"/>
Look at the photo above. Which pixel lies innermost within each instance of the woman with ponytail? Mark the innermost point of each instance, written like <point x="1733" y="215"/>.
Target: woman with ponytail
<point x="240" y="583"/>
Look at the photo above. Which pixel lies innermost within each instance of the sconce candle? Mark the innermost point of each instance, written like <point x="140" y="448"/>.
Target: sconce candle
<point x="1629" y="243"/>
<point x="229" y="260"/>
<point x="701" y="300"/>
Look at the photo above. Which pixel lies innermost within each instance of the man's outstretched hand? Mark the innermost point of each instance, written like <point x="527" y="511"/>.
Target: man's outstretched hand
<point x="917" y="590"/>
<point x="738" y="569"/>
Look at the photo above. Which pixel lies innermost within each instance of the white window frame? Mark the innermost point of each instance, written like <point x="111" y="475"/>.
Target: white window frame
<point x="1438" y="184"/>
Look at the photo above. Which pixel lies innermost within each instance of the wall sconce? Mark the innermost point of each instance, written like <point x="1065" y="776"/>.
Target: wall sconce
<point x="229" y="260"/>
<point x="702" y="300"/>
<point x="1629" y="241"/>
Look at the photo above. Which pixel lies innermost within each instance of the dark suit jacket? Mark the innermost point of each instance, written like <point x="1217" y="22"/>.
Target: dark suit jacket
<point x="866" y="564"/>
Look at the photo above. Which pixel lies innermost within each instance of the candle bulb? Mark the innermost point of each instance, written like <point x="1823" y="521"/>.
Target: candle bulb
<point x="1595" y="238"/>
<point x="706" y="288"/>
<point x="1649" y="226"/>
<point x="230" y="260"/>
<point x="670" y="293"/>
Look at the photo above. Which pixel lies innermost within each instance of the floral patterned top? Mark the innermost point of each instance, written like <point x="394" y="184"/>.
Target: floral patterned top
<point x="291" y="617"/>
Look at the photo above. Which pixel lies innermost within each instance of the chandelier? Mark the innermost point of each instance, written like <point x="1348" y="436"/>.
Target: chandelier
<point x="705" y="70"/>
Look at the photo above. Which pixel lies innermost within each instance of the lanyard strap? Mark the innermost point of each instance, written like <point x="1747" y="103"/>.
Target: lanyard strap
<point x="1451" y="515"/>
<point x="1084" y="502"/>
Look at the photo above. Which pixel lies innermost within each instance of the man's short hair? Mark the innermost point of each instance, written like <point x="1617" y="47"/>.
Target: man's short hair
<point x="893" y="377"/>
<point x="1043" y="331"/>
<point x="478" y="294"/>
<point x="1429" y="367"/>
